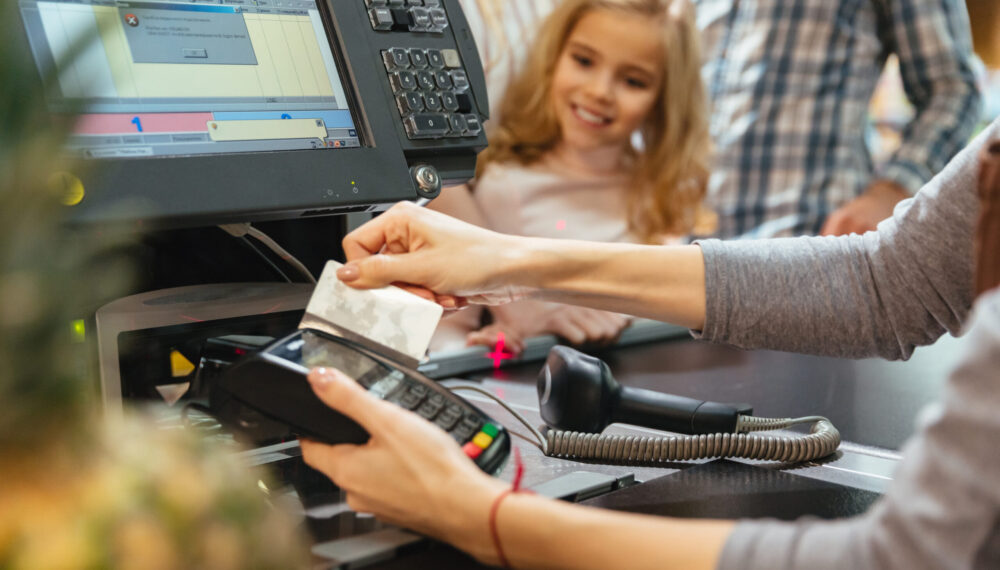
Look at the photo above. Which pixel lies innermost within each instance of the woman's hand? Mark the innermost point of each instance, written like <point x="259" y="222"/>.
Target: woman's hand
<point x="432" y="255"/>
<point x="409" y="473"/>
<point x="580" y="325"/>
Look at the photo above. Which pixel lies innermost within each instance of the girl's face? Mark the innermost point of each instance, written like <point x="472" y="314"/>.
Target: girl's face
<point x="607" y="78"/>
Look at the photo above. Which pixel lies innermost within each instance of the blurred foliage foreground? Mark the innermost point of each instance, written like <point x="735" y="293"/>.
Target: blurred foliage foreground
<point x="77" y="489"/>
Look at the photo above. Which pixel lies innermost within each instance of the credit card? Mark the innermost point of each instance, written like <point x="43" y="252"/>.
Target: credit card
<point x="391" y="320"/>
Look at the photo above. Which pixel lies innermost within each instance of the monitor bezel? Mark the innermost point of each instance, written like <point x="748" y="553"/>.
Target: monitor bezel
<point x="180" y="191"/>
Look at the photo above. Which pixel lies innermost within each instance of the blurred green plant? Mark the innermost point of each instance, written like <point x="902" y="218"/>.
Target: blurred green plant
<point x="81" y="490"/>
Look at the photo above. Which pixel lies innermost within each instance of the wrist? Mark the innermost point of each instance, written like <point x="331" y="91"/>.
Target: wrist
<point x="469" y="516"/>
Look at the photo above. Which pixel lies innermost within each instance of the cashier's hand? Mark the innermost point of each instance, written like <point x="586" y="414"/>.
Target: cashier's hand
<point x="863" y="213"/>
<point x="410" y="472"/>
<point x="430" y="254"/>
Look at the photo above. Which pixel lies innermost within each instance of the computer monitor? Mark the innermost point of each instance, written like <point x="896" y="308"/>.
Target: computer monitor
<point x="202" y="112"/>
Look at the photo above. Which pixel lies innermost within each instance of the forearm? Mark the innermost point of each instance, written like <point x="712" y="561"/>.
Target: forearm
<point x="542" y="533"/>
<point x="660" y="282"/>
<point x="933" y="44"/>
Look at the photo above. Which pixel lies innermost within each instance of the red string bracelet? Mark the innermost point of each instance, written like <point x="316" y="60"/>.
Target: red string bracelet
<point x="515" y="487"/>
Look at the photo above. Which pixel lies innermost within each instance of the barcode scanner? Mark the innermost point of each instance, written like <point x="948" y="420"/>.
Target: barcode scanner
<point x="576" y="392"/>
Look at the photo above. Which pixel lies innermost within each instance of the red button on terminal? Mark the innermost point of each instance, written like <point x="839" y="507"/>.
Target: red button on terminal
<point x="472" y="450"/>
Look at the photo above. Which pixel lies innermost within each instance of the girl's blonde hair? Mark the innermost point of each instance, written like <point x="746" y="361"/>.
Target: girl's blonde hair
<point x="669" y="177"/>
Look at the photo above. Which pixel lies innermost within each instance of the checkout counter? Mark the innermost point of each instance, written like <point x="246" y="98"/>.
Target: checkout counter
<point x="873" y="402"/>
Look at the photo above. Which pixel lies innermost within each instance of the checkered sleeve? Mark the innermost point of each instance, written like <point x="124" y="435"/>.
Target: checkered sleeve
<point x="934" y="44"/>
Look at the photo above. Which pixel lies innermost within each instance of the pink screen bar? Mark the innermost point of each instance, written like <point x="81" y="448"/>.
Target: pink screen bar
<point x="124" y="123"/>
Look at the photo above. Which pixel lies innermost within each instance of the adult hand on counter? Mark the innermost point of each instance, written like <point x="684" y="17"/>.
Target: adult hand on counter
<point x="410" y="472"/>
<point x="430" y="254"/>
<point x="522" y="319"/>
<point x="863" y="213"/>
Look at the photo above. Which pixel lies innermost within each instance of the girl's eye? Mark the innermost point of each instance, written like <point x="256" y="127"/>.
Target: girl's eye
<point x="583" y="60"/>
<point x="637" y="83"/>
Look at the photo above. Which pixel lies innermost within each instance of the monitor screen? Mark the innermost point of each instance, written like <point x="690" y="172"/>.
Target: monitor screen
<point x="172" y="78"/>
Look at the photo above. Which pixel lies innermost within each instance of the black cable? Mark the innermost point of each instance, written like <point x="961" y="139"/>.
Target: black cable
<point x="267" y="259"/>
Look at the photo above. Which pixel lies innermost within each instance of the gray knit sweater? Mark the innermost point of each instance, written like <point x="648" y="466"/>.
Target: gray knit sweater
<point x="882" y="294"/>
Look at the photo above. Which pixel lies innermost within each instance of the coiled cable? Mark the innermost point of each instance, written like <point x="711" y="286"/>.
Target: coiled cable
<point x="823" y="440"/>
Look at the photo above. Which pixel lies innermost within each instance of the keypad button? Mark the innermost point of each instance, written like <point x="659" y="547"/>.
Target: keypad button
<point x="406" y="105"/>
<point x="491" y="430"/>
<point x="418" y="58"/>
<point x="457" y="125"/>
<point x="397" y="3"/>
<point x="414" y="2"/>
<point x="429" y="409"/>
<point x="482" y="440"/>
<point x="381" y="18"/>
<point x="376" y="3"/>
<point x="426" y="125"/>
<point x="420" y="18"/>
<point x="460" y="79"/>
<point x="449" y="417"/>
<point x="472" y="450"/>
<point x="451" y="58"/>
<point x="403" y="81"/>
<point x="443" y="79"/>
<point x="399" y="59"/>
<point x="439" y="19"/>
<point x="425" y="80"/>
<point x="415" y="101"/>
<point x="449" y="101"/>
<point x="475" y="127"/>
<point x="432" y="3"/>
<point x="432" y="101"/>
<point x="410" y="401"/>
<point x="418" y="389"/>
<point x="435" y="59"/>
<point x="472" y="421"/>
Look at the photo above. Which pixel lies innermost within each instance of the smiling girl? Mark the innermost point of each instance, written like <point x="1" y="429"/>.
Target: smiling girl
<point x="602" y="136"/>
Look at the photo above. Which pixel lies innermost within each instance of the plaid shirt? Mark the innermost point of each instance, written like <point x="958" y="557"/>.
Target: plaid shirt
<point x="790" y="82"/>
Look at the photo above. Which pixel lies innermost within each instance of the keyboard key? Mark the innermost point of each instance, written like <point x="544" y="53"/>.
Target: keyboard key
<point x="457" y="125"/>
<point x="438" y="18"/>
<point x="418" y="58"/>
<point x="482" y="440"/>
<point x="451" y="58"/>
<point x="432" y="101"/>
<point x="403" y="81"/>
<point x="426" y="125"/>
<point x="435" y="59"/>
<point x="399" y="59"/>
<point x="472" y="450"/>
<point x="425" y="80"/>
<point x="475" y="127"/>
<point x="449" y="101"/>
<point x="381" y="18"/>
<point x="491" y="430"/>
<point x="443" y="79"/>
<point x="459" y="79"/>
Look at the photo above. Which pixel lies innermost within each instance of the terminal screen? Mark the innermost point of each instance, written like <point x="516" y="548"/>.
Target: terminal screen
<point x="191" y="77"/>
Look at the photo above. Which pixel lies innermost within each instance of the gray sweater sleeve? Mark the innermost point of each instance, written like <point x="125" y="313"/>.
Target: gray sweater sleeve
<point x="882" y="293"/>
<point x="943" y="509"/>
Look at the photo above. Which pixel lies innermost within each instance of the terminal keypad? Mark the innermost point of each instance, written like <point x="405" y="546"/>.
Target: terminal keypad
<point x="419" y="16"/>
<point x="432" y="92"/>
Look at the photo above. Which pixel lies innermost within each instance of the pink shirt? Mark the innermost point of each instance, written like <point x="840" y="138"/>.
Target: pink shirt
<point x="540" y="201"/>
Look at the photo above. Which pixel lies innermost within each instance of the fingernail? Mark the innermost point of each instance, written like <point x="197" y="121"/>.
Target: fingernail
<point x="448" y="303"/>
<point x="348" y="273"/>
<point x="321" y="376"/>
